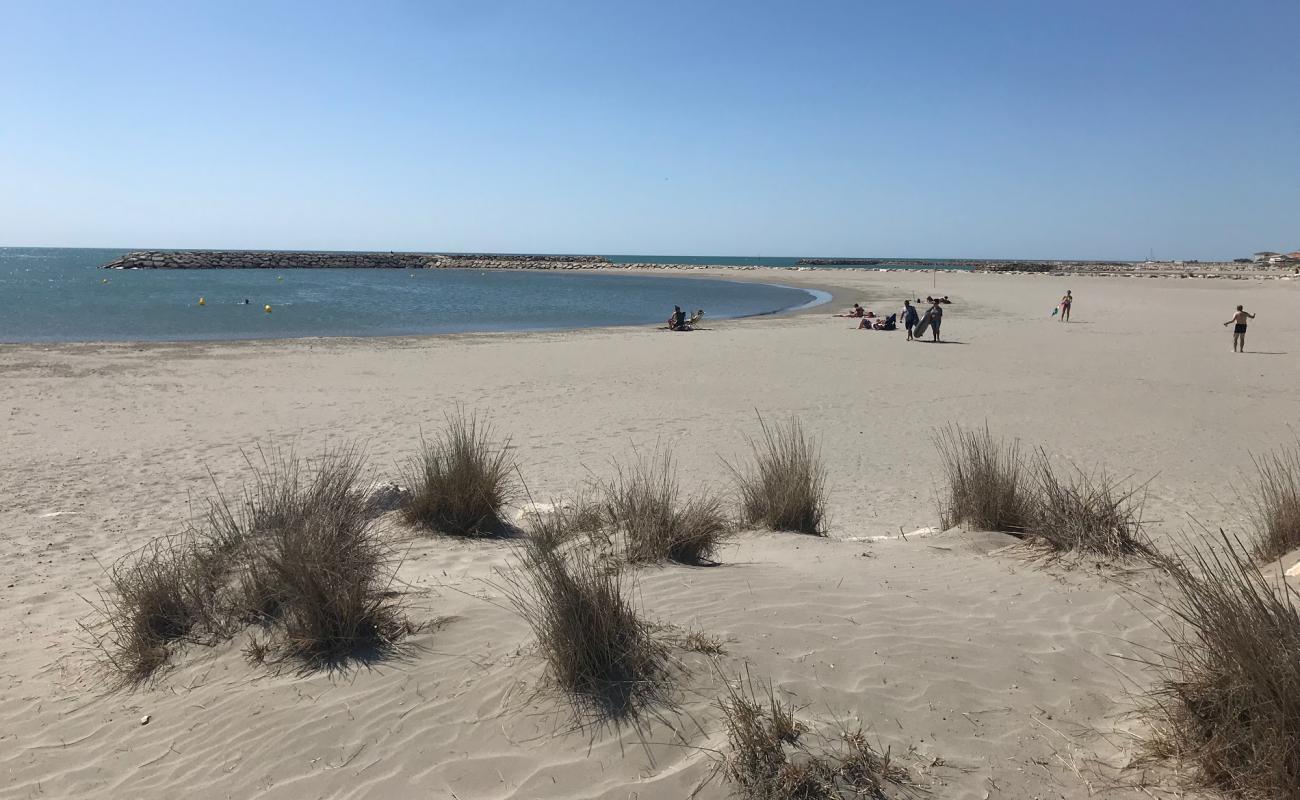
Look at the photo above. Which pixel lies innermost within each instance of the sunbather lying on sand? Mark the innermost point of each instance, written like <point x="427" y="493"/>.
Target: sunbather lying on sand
<point x="888" y="323"/>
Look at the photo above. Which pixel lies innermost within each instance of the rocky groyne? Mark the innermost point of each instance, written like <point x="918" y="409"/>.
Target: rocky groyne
<point x="276" y="259"/>
<point x="847" y="262"/>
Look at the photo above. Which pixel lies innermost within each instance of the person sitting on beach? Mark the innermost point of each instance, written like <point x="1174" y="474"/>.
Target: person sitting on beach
<point x="677" y="322"/>
<point x="855" y="312"/>
<point x="945" y="300"/>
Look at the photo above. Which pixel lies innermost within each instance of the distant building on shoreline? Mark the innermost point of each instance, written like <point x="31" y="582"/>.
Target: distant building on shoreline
<point x="1269" y="257"/>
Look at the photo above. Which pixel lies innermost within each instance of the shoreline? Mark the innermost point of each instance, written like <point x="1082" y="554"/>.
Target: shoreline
<point x="815" y="280"/>
<point x="818" y="298"/>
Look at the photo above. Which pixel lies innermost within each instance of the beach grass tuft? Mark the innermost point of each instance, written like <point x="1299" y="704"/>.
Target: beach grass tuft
<point x="461" y="480"/>
<point x="987" y="486"/>
<point x="644" y="502"/>
<point x="1084" y="513"/>
<point x="597" y="647"/>
<point x="1228" y="701"/>
<point x="314" y="567"/>
<point x="783" y="488"/>
<point x="298" y="553"/>
<point x="1275" y="508"/>
<point x="769" y="757"/>
<point x="158" y="596"/>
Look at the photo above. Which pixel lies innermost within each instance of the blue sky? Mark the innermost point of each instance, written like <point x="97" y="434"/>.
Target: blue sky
<point x="970" y="128"/>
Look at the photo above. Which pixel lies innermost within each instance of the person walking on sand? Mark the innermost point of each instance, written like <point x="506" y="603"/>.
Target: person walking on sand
<point x="1238" y="323"/>
<point x="910" y="318"/>
<point x="936" y="319"/>
<point x="1066" y="302"/>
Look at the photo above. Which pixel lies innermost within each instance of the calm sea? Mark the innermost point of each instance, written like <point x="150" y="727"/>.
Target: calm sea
<point x="60" y="295"/>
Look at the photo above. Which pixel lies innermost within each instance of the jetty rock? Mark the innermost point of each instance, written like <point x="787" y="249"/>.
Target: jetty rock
<point x="279" y="259"/>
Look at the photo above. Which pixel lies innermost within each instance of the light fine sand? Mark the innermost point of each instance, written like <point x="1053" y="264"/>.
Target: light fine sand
<point x="986" y="674"/>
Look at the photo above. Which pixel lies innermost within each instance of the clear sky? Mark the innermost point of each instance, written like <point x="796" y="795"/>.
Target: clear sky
<point x="1090" y="129"/>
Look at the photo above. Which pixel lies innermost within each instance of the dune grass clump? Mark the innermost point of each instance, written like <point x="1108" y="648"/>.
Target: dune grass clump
<point x="298" y="553"/>
<point x="986" y="481"/>
<point x="597" y="647"/>
<point x="314" y="568"/>
<point x="1276" y="504"/>
<point x="158" y="596"/>
<point x="562" y="522"/>
<point x="644" y="502"/>
<point x="1084" y="513"/>
<point x="1229" y="700"/>
<point x="461" y="481"/>
<point x="784" y="486"/>
<point x="768" y="758"/>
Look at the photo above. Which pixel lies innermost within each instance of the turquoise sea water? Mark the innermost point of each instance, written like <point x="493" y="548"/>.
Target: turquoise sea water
<point x="60" y="295"/>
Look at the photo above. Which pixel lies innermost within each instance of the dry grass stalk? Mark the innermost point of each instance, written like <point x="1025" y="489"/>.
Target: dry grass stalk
<point x="644" y="503"/>
<point x="596" y="645"/>
<point x="784" y="486"/>
<point x="703" y="643"/>
<point x="1276" y="503"/>
<point x="986" y="484"/>
<point x="1229" y="700"/>
<point x="768" y="758"/>
<point x="461" y="481"/>
<point x="1083" y="513"/>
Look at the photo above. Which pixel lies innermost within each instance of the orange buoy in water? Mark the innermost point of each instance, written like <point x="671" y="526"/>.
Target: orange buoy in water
<point x="267" y="308"/>
<point x="202" y="302"/>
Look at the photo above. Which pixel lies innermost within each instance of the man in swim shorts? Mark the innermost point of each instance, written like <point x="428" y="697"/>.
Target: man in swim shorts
<point x="1238" y="323"/>
<point x="910" y="318"/>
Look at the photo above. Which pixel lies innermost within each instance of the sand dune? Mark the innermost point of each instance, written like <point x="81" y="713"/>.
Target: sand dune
<point x="987" y="674"/>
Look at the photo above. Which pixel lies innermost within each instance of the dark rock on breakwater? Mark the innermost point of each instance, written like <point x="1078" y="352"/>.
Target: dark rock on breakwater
<point x="271" y="259"/>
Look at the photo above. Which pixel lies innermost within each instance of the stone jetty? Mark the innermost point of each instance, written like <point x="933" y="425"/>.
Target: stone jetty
<point x="276" y="259"/>
<point x="848" y="262"/>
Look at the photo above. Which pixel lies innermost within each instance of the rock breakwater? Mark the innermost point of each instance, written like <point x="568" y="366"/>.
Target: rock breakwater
<point x="275" y="259"/>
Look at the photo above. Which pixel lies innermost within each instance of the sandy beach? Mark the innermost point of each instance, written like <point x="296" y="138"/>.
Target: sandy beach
<point x="986" y="674"/>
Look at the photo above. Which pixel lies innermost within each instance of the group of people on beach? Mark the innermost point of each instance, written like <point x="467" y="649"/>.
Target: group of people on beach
<point x="911" y="318"/>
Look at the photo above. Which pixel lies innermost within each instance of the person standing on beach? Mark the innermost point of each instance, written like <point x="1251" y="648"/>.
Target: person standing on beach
<point x="936" y="318"/>
<point x="1066" y="302"/>
<point x="1238" y="323"/>
<point x="910" y="318"/>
